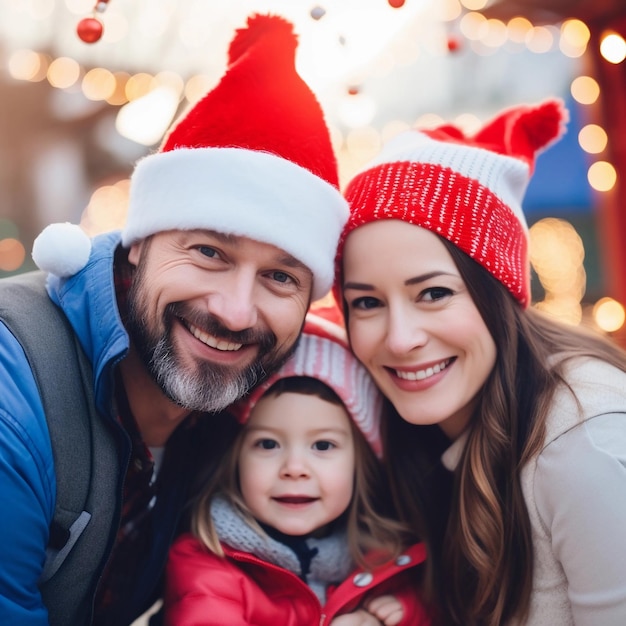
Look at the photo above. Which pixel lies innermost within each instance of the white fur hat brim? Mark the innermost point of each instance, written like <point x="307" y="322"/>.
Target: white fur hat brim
<point x="240" y="192"/>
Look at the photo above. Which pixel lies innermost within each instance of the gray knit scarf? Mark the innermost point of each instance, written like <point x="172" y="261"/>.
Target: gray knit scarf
<point x="331" y="564"/>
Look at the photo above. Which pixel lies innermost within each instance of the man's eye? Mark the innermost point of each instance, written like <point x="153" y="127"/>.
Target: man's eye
<point x="281" y="277"/>
<point x="208" y="251"/>
<point x="323" y="445"/>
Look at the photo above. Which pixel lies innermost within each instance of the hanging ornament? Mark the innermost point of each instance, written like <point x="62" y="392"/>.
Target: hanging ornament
<point x="453" y="43"/>
<point x="318" y="12"/>
<point x="90" y="29"/>
<point x="396" y="4"/>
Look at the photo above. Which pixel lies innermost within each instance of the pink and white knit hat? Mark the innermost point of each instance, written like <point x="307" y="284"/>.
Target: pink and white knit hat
<point x="323" y="353"/>
<point x="468" y="189"/>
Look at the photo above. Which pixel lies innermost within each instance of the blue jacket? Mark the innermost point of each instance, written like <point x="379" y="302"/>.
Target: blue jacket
<point x="27" y="476"/>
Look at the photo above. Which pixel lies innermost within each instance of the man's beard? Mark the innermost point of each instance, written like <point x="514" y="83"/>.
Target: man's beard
<point x="208" y="387"/>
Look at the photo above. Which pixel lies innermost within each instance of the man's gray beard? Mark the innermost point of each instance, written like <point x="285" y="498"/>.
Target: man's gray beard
<point x="210" y="388"/>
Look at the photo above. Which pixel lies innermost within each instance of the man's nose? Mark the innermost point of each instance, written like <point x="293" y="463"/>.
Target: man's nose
<point x="234" y="304"/>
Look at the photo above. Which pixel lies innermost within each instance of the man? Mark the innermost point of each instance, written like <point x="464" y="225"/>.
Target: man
<point x="231" y="232"/>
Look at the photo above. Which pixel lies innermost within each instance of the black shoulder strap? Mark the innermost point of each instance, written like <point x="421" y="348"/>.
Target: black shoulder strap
<point x="64" y="377"/>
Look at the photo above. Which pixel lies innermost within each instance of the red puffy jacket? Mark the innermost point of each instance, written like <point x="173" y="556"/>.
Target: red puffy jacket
<point x="242" y="590"/>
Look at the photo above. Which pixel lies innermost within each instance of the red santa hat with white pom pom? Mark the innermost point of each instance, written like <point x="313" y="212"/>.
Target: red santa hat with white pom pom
<point x="467" y="189"/>
<point x="253" y="158"/>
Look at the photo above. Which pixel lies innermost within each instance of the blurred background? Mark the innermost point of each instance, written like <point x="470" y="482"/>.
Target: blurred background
<point x="78" y="109"/>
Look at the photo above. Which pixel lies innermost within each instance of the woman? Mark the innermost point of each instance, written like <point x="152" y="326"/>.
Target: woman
<point x="507" y="439"/>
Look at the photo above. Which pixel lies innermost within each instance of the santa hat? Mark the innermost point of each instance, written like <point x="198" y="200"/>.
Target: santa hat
<point x="468" y="189"/>
<point x="252" y="158"/>
<point x="323" y="353"/>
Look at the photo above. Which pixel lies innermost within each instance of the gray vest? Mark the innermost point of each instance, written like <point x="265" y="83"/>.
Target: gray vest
<point x="85" y="459"/>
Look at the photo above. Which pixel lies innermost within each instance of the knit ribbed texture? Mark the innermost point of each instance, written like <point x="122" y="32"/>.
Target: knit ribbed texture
<point x="329" y="360"/>
<point x="457" y="207"/>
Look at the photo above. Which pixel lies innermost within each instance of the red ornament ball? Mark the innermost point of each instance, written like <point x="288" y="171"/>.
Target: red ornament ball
<point x="89" y="29"/>
<point x="453" y="44"/>
<point x="396" y="4"/>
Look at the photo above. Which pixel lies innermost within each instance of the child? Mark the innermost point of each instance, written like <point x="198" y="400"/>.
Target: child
<point x="293" y="508"/>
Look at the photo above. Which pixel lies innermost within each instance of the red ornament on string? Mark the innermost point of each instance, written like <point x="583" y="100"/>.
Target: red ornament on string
<point x="396" y="4"/>
<point x="453" y="44"/>
<point x="89" y="29"/>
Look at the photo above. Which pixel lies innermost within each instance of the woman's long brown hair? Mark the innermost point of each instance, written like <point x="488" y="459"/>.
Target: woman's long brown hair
<point x="475" y="520"/>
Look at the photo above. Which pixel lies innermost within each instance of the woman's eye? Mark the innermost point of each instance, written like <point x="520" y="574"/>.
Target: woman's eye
<point x="364" y="303"/>
<point x="323" y="445"/>
<point x="436" y="293"/>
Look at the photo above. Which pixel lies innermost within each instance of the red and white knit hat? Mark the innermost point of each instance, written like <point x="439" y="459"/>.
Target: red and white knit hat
<point x="468" y="189"/>
<point x="252" y="158"/>
<point x="323" y="353"/>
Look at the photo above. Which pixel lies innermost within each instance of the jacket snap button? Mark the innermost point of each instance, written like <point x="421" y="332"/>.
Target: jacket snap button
<point x="362" y="579"/>
<point x="403" y="559"/>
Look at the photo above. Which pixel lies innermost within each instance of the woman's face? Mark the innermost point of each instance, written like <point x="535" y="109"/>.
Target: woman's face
<point x="414" y="325"/>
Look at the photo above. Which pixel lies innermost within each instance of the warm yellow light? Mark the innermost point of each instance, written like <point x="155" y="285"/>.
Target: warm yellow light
<point x="448" y="10"/>
<point x="197" y="86"/>
<point x="496" y="34"/>
<point x="585" y="89"/>
<point x="12" y="254"/>
<point x="99" y="84"/>
<point x="575" y="33"/>
<point x="138" y="86"/>
<point x="474" y="5"/>
<point x="613" y="48"/>
<point x="146" y="119"/>
<point x="363" y="143"/>
<point x="27" y="65"/>
<point x="468" y="122"/>
<point x="539" y="40"/>
<point x="63" y="72"/>
<point x="609" y="314"/>
<point x="602" y="176"/>
<point x="119" y="93"/>
<point x="429" y="120"/>
<point x="473" y="26"/>
<point x="593" y="138"/>
<point x="107" y="208"/>
<point x="518" y="28"/>
<point x="393" y="128"/>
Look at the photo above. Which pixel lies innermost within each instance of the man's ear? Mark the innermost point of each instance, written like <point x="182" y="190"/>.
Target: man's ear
<point x="134" y="253"/>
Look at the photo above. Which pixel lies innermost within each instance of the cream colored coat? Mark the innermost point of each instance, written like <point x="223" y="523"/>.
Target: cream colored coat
<point x="575" y="492"/>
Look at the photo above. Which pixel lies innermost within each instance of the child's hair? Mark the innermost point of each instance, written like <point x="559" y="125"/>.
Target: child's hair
<point x="369" y="528"/>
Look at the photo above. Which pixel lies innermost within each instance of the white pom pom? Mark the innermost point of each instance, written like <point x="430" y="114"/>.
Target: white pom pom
<point x="62" y="249"/>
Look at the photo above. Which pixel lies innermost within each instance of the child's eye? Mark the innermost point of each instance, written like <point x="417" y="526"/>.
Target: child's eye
<point x="435" y="293"/>
<point x="266" y="444"/>
<point x="323" y="445"/>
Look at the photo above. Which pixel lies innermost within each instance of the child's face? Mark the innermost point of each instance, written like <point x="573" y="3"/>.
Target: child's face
<point x="296" y="465"/>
